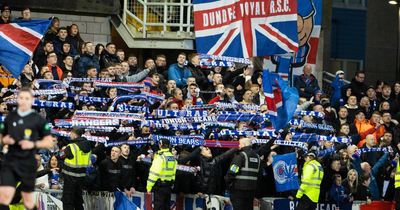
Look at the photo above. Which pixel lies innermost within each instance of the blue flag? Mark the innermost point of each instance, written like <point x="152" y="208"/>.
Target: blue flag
<point x="123" y="203"/>
<point x="18" y="42"/>
<point x="281" y="99"/>
<point x="285" y="172"/>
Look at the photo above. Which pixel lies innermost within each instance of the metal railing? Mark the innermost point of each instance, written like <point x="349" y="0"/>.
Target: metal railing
<point x="152" y="18"/>
<point x="327" y="79"/>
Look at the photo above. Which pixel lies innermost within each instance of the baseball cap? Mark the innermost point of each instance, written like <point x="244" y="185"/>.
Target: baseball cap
<point x="339" y="72"/>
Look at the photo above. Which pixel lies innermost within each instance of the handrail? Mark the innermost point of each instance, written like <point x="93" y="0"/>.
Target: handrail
<point x="164" y="17"/>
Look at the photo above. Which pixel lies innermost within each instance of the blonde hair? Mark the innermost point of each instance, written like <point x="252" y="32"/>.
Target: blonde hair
<point x="354" y="186"/>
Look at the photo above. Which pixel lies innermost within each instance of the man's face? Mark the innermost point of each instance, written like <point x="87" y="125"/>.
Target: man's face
<point x="161" y="62"/>
<point x="48" y="75"/>
<point x="386" y="117"/>
<point x="248" y="96"/>
<point x="121" y="55"/>
<point x="360" y="116"/>
<point x="386" y="91"/>
<point x="89" y="48"/>
<point x="230" y="92"/>
<point x="206" y="152"/>
<point x="196" y="60"/>
<point x="111" y="49"/>
<point x="360" y="77"/>
<point x="376" y="118"/>
<point x="115" y="153"/>
<point x="307" y="70"/>
<point x="66" y="47"/>
<point x="125" y="150"/>
<point x="24" y="101"/>
<point x="132" y="61"/>
<point x="217" y="78"/>
<point x="181" y="59"/>
<point x="150" y="64"/>
<point x="26" y="14"/>
<point x="345" y="130"/>
<point x="92" y="73"/>
<point x="387" y="138"/>
<point x="62" y="34"/>
<point x="86" y="86"/>
<point x="111" y="70"/>
<point x="68" y="61"/>
<point x="255" y="89"/>
<point x="125" y="67"/>
<point x="191" y="80"/>
<point x="343" y="113"/>
<point x="171" y="84"/>
<point x="192" y="90"/>
<point x="371" y="93"/>
<point x="352" y="101"/>
<point x="48" y="47"/>
<point x="52" y="59"/>
<point x="6" y="13"/>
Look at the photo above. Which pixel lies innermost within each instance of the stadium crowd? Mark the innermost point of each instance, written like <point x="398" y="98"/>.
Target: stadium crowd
<point x="367" y="115"/>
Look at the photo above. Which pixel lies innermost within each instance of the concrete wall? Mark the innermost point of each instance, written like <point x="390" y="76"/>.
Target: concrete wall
<point x="381" y="42"/>
<point x="92" y="28"/>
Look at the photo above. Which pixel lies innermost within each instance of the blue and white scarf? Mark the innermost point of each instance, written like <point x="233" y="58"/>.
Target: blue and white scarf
<point x="374" y="149"/>
<point x="226" y="58"/>
<point x="118" y="84"/>
<point x="324" y="127"/>
<point x="47" y="104"/>
<point x="311" y="137"/>
<point x="193" y="140"/>
<point x="66" y="134"/>
<point x="177" y="127"/>
<point x="291" y="144"/>
<point x="90" y="99"/>
<point x="132" y="142"/>
<point x="130" y="108"/>
<point x="202" y="106"/>
<point x="162" y="113"/>
<point x="86" y="122"/>
<point x="108" y="115"/>
<point x="260" y="133"/>
<point x="252" y="107"/>
<point x="81" y="80"/>
<point x="311" y="113"/>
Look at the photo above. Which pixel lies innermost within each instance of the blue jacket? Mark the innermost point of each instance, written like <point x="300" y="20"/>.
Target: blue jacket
<point x="87" y="60"/>
<point x="336" y="86"/>
<point x="179" y="74"/>
<point x="373" y="186"/>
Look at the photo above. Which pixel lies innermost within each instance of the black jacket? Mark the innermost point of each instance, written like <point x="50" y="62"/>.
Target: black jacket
<point x="211" y="172"/>
<point x="309" y="88"/>
<point x="128" y="175"/>
<point x="111" y="175"/>
<point x="198" y="73"/>
<point x="107" y="58"/>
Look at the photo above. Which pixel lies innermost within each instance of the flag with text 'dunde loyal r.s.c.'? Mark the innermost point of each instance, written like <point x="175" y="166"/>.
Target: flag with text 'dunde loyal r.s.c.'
<point x="245" y="28"/>
<point x="18" y="42"/>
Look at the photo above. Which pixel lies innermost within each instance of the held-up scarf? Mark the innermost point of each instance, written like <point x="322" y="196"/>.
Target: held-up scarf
<point x="47" y="104"/>
<point x="46" y="92"/>
<point x="374" y="149"/>
<point x="66" y="134"/>
<point x="89" y="98"/>
<point x="161" y="113"/>
<point x="324" y="127"/>
<point x="221" y="105"/>
<point x="126" y="107"/>
<point x="177" y="127"/>
<point x="311" y="113"/>
<point x="70" y="80"/>
<point x="291" y="144"/>
<point x="108" y="115"/>
<point x="109" y="129"/>
<point x="225" y="58"/>
<point x="193" y="140"/>
<point x="311" y="137"/>
<point x="86" y="122"/>
<point x="118" y="84"/>
<point x="260" y="133"/>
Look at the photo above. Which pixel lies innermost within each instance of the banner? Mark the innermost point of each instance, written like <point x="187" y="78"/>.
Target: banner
<point x="286" y="204"/>
<point x="286" y="173"/>
<point x="245" y="28"/>
<point x="309" y="19"/>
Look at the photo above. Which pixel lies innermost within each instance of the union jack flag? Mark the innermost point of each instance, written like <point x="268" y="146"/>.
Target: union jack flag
<point x="281" y="99"/>
<point x="246" y="28"/>
<point x="18" y="41"/>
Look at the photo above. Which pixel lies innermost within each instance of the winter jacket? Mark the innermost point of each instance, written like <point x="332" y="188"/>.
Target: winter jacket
<point x="211" y="172"/>
<point x="336" y="86"/>
<point x="358" y="89"/>
<point x="373" y="186"/>
<point x="179" y="74"/>
<point x="107" y="58"/>
<point x="85" y="61"/>
<point x="200" y="76"/>
<point x="310" y="85"/>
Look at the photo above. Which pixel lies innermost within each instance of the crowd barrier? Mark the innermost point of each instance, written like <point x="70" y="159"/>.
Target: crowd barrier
<point x="50" y="200"/>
